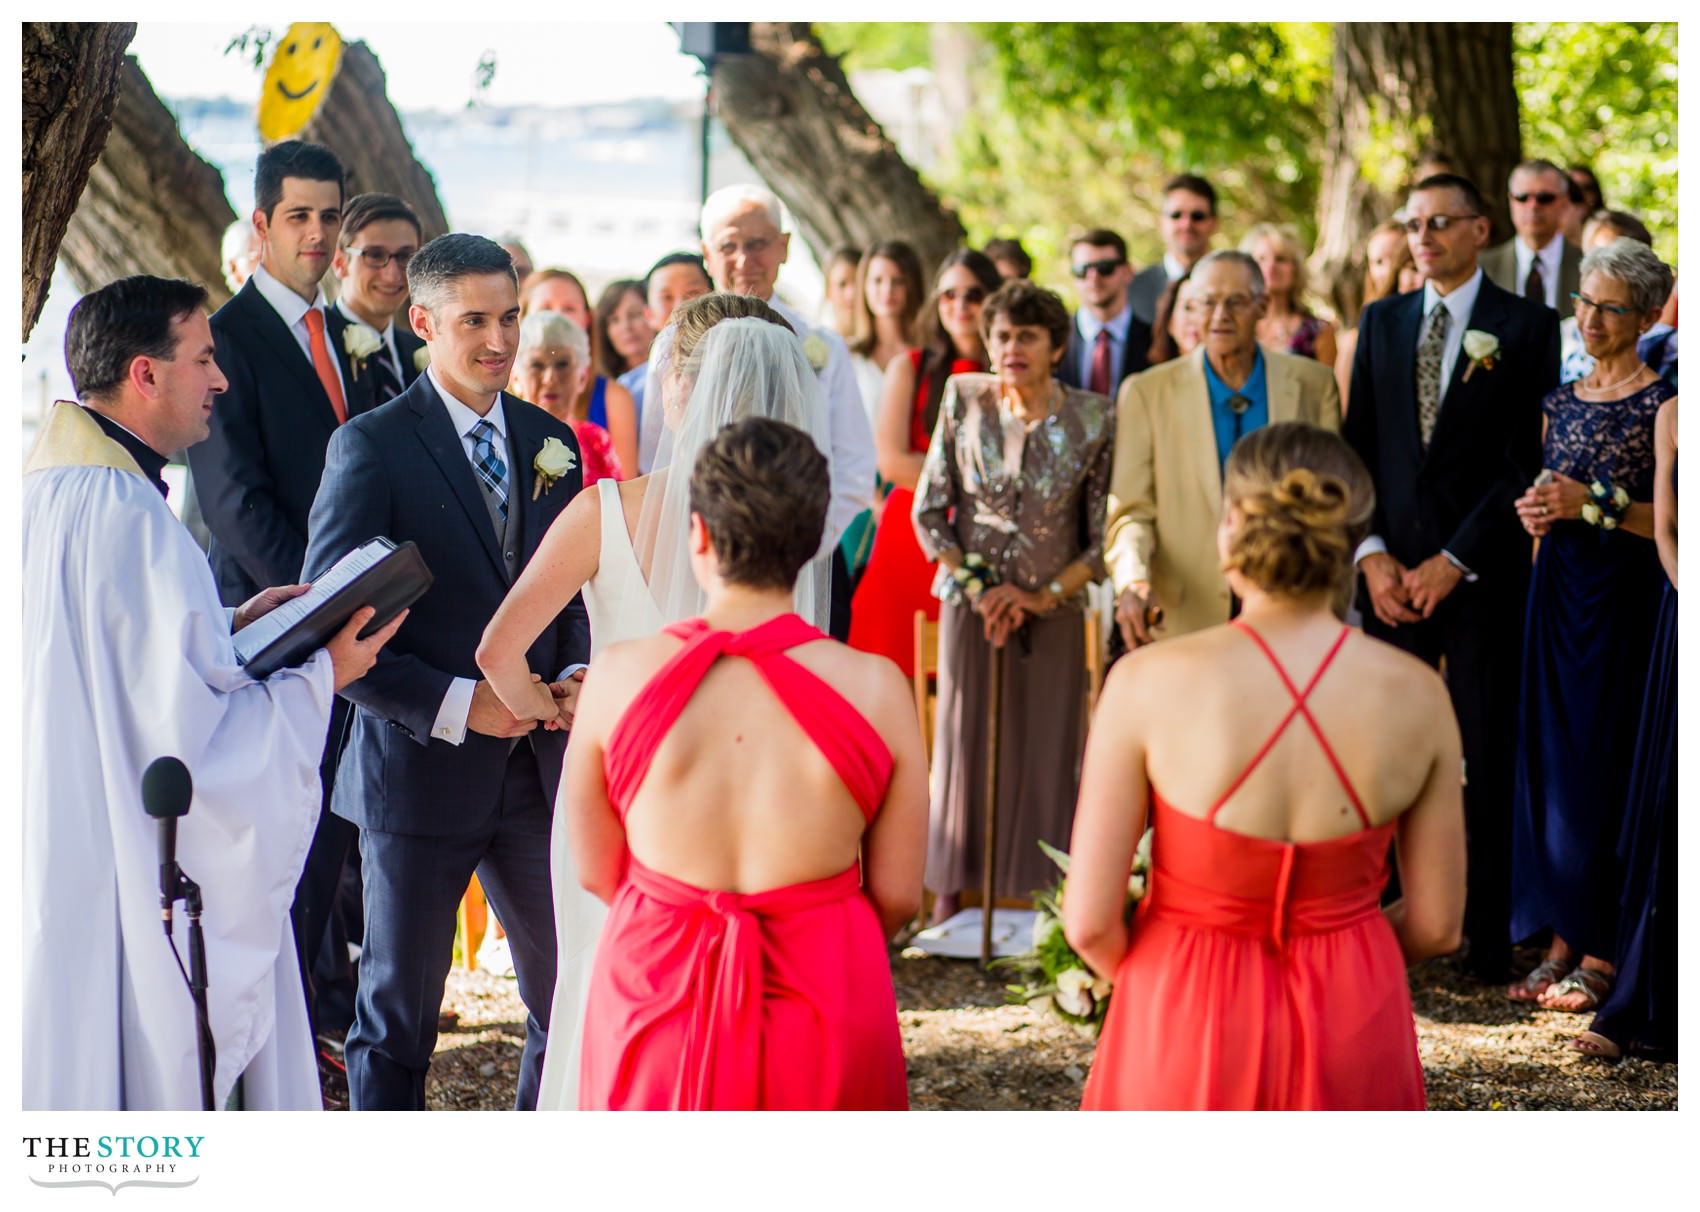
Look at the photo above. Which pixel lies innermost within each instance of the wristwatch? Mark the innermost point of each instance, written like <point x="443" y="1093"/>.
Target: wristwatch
<point x="1055" y="589"/>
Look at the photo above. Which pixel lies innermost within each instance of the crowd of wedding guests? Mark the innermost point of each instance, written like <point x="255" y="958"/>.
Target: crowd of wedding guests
<point x="1477" y="469"/>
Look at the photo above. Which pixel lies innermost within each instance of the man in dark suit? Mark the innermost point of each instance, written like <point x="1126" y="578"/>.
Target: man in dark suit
<point x="1106" y="342"/>
<point x="1188" y="221"/>
<point x="380" y="234"/>
<point x="1446" y="413"/>
<point x="441" y="778"/>
<point x="1538" y="262"/>
<point x="292" y="383"/>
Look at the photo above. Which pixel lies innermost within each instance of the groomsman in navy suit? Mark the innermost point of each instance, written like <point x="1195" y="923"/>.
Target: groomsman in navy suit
<point x="380" y="234"/>
<point x="440" y="777"/>
<point x="1446" y="413"/>
<point x="292" y="382"/>
<point x="1106" y="342"/>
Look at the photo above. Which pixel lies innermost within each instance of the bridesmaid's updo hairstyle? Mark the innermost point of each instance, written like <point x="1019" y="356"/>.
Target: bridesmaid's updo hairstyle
<point x="1305" y="501"/>
<point x="761" y="487"/>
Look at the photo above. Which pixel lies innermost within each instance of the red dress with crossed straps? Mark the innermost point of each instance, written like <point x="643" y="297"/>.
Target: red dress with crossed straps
<point x="1262" y="974"/>
<point x="774" y="1000"/>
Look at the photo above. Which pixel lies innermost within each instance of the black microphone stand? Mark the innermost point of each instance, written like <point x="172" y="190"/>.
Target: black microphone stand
<point x="189" y="892"/>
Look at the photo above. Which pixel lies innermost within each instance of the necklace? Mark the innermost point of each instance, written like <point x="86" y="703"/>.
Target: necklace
<point x="1012" y="401"/>
<point x="1623" y="382"/>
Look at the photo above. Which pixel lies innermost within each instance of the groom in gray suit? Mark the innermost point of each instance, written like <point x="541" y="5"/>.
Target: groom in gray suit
<point x="441" y="778"/>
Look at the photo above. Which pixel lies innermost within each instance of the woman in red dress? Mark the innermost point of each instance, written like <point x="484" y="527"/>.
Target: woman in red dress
<point x="1280" y="753"/>
<point x="899" y="578"/>
<point x="722" y="778"/>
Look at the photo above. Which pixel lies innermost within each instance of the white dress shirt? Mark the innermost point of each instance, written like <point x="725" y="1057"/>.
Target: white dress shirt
<point x="292" y="309"/>
<point x="853" y="459"/>
<point x="1459" y="304"/>
<point x="1549" y="257"/>
<point x="1172" y="267"/>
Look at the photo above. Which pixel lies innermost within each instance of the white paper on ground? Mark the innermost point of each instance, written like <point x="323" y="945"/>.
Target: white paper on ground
<point x="959" y="937"/>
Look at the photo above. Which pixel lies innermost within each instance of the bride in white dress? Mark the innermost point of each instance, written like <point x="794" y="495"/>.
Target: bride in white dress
<point x="723" y="357"/>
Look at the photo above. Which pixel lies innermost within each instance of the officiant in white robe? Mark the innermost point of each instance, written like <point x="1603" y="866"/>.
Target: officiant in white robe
<point x="127" y="658"/>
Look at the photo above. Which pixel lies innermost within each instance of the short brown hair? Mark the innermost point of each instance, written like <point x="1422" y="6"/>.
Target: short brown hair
<point x="761" y="488"/>
<point x="1306" y="501"/>
<point x="1025" y="302"/>
<point x="364" y="209"/>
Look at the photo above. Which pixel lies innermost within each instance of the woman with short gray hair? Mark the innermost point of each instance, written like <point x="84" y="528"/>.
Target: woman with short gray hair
<point x="551" y="367"/>
<point x="1593" y="601"/>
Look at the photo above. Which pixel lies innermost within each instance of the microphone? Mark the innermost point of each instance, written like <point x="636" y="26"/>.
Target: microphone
<point x="166" y="792"/>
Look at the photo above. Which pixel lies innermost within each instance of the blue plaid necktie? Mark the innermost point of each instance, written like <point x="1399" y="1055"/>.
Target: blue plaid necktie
<point x="487" y="462"/>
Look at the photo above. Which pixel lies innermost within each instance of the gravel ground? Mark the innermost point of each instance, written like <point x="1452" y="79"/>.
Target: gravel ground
<point x="969" y="1051"/>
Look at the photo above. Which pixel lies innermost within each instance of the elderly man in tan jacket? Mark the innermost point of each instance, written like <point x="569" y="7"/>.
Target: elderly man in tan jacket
<point x="1175" y="425"/>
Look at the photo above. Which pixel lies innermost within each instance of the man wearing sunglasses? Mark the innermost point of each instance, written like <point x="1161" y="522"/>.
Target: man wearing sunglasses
<point x="1187" y="221"/>
<point x="1449" y="426"/>
<point x="1106" y="341"/>
<point x="380" y="234"/>
<point x="1538" y="262"/>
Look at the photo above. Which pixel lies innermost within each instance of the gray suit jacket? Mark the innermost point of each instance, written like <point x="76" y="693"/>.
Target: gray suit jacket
<point x="1144" y="291"/>
<point x="1499" y="263"/>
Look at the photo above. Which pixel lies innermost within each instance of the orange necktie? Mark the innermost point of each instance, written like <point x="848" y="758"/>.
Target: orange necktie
<point x="328" y="378"/>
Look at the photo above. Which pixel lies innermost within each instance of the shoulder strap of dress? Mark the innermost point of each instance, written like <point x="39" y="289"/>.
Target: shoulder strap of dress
<point x="1299" y="707"/>
<point x="849" y="743"/>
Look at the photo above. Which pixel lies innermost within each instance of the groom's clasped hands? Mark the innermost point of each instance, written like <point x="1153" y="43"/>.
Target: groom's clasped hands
<point x="552" y="706"/>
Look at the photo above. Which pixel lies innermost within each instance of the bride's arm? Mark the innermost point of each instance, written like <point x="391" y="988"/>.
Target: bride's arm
<point x="1108" y="822"/>
<point x="563" y="562"/>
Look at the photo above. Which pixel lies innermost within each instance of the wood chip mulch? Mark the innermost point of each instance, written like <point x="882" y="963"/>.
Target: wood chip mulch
<point x="968" y="1050"/>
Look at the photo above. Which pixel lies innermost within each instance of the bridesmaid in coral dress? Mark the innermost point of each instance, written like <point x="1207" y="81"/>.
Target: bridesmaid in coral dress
<point x="722" y="778"/>
<point x="1281" y="754"/>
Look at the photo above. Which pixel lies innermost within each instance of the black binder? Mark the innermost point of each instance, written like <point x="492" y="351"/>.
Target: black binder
<point x="377" y="573"/>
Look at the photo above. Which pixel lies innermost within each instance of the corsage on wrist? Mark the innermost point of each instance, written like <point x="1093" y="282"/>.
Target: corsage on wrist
<point x="1605" y="506"/>
<point x="974" y="575"/>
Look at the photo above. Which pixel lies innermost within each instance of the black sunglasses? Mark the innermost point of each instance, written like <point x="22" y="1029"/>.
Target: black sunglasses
<point x="1103" y="268"/>
<point x="1544" y="198"/>
<point x="1197" y="216"/>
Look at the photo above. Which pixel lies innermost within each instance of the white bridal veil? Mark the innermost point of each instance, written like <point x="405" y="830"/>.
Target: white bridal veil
<point x="741" y="368"/>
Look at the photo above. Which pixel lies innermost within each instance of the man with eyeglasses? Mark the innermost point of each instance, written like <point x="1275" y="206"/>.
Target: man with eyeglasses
<point x="1175" y="425"/>
<point x="744" y="242"/>
<point x="1446" y="397"/>
<point x="1187" y="221"/>
<point x="292" y="382"/>
<point x="1538" y="262"/>
<point x="1106" y="342"/>
<point x="380" y="234"/>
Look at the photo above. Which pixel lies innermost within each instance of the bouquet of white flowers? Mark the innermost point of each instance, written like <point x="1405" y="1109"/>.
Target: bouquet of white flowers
<point x="1058" y="980"/>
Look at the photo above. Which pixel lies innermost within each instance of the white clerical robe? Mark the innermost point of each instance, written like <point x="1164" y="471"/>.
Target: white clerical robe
<point x="127" y="657"/>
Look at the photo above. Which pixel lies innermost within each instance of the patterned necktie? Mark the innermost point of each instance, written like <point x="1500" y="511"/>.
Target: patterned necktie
<point x="386" y="382"/>
<point x="487" y="462"/>
<point x="1535" y="286"/>
<point x="1100" y="378"/>
<point x="1429" y="356"/>
<point x="322" y="364"/>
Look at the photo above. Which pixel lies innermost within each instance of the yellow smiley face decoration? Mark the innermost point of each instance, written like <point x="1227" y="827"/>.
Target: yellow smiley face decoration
<point x="301" y="71"/>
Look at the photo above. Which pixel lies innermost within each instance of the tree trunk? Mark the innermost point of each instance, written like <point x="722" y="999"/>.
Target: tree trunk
<point x="152" y="205"/>
<point x="789" y="108"/>
<point x="1400" y="88"/>
<point x="70" y="88"/>
<point x="360" y="125"/>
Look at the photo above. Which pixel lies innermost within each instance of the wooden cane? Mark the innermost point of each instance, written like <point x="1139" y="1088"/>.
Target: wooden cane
<point x="994" y="698"/>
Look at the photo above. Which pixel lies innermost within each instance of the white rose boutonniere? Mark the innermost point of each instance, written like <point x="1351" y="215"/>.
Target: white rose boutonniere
<point x="421" y="359"/>
<point x="361" y="341"/>
<point x="1481" y="348"/>
<point x="817" y="351"/>
<point x="552" y="462"/>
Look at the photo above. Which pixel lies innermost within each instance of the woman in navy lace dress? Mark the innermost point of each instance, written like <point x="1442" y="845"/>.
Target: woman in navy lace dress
<point x="1593" y="602"/>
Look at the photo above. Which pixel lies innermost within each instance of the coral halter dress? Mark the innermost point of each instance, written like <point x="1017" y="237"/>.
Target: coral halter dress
<point x="1262" y="974"/>
<point x="773" y="1000"/>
